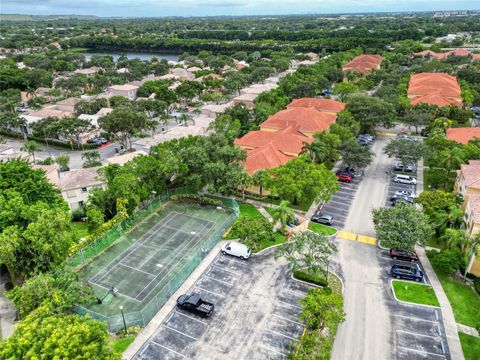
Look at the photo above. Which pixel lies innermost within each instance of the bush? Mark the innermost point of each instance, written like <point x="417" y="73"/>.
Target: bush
<point x="47" y="161"/>
<point x="78" y="214"/>
<point x="314" y="279"/>
<point x="252" y="231"/>
<point x="196" y="199"/>
<point x="476" y="285"/>
<point x="447" y="260"/>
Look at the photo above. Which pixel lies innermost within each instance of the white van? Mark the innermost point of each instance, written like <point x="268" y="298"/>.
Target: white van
<point x="237" y="249"/>
<point x="405" y="179"/>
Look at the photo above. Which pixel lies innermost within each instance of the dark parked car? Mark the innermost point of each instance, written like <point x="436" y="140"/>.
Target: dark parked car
<point x="194" y="304"/>
<point x="345" y="172"/>
<point x="400" y="167"/>
<point x="402" y="254"/>
<point x="406" y="272"/>
<point x="322" y="219"/>
<point x="404" y="200"/>
<point x="345" y="178"/>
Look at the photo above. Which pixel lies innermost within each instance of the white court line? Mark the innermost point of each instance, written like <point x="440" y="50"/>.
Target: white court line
<point x="211" y="292"/>
<point x="184" y="246"/>
<point x="230" y="271"/>
<point x="271" y="349"/>
<point x="187" y="316"/>
<point x="416" y="318"/>
<point x="181" y="333"/>
<point x="166" y="348"/>
<point x="292" y="321"/>
<point x="418" y="334"/>
<point x="119" y="293"/>
<point x="135" y="269"/>
<point x="286" y="303"/>
<point x="276" y="332"/>
<point x="421" y="351"/>
<point x="221" y="281"/>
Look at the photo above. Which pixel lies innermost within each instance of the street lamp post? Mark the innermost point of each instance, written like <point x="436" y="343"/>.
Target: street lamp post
<point x="123" y="317"/>
<point x="82" y="240"/>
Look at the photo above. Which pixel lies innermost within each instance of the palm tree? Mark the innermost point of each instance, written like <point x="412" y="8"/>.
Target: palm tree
<point x="283" y="213"/>
<point x="30" y="147"/>
<point x="184" y="117"/>
<point x="455" y="238"/>
<point x="451" y="159"/>
<point x="315" y="150"/>
<point x="472" y="249"/>
<point x="455" y="216"/>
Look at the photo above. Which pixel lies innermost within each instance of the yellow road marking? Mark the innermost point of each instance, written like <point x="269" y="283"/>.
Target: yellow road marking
<point x="347" y="235"/>
<point x="367" y="239"/>
<point x="385" y="133"/>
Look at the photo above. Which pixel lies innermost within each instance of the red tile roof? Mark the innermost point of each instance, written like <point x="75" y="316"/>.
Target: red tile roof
<point x="364" y="64"/>
<point x="287" y="141"/>
<point x="265" y="157"/>
<point x="474" y="201"/>
<point x="440" y="56"/>
<point x="463" y="135"/>
<point x="304" y="120"/>
<point x="435" y="89"/>
<point x="319" y="104"/>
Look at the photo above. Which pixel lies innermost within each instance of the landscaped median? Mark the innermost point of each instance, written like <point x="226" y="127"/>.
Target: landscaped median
<point x="470" y="346"/>
<point x="322" y="229"/>
<point x="414" y="293"/>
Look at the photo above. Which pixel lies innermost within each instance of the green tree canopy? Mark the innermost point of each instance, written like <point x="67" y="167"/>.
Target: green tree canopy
<point x="371" y="111"/>
<point x="405" y="151"/>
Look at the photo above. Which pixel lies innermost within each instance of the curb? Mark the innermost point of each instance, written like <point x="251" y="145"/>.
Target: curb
<point x="318" y="286"/>
<point x="327" y="236"/>
<point x="379" y="245"/>
<point x="412" y="303"/>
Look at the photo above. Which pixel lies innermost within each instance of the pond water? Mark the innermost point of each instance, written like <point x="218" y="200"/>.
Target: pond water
<point x="132" y="55"/>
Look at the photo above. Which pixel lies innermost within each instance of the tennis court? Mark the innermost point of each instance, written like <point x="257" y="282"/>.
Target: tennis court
<point x="140" y="270"/>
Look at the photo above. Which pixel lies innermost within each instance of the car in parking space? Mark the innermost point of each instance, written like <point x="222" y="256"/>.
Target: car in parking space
<point x="234" y="248"/>
<point x="405" y="179"/>
<point x="344" y="177"/>
<point x="193" y="303"/>
<point x="408" y="199"/>
<point x="402" y="200"/>
<point x="406" y="272"/>
<point x="405" y="193"/>
<point x="322" y="219"/>
<point x="400" y="167"/>
<point x="402" y="254"/>
<point x="345" y="172"/>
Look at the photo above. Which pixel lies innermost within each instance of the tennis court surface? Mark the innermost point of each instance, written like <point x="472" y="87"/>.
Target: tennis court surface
<point x="145" y="266"/>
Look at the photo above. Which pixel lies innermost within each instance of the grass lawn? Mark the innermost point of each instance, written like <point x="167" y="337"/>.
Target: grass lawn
<point x="321" y="229"/>
<point x="334" y="282"/>
<point x="120" y="345"/>
<point x="465" y="302"/>
<point x="80" y="228"/>
<point x="249" y="210"/>
<point x="470" y="346"/>
<point x="414" y="293"/>
<point x="279" y="239"/>
<point x="303" y="206"/>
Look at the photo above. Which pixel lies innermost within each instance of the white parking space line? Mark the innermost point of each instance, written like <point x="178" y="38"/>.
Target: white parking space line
<point x="443" y="347"/>
<point x="418" y="334"/>
<point x="221" y="281"/>
<point x="166" y="348"/>
<point x="292" y="321"/>
<point x="181" y="333"/>
<point x="223" y="269"/>
<point x="272" y="350"/>
<point x="422" y="352"/>
<point x="208" y="291"/>
<point x="439" y="331"/>
<point x="423" y="279"/>
<point x="436" y="314"/>
<point x="416" y="318"/>
<point x="190" y="317"/>
<point x="286" y="303"/>
<point x="276" y="332"/>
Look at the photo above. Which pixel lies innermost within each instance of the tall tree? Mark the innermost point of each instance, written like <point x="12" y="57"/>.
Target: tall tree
<point x="283" y="213"/>
<point x="91" y="159"/>
<point x="406" y="151"/>
<point x="355" y="154"/>
<point x="371" y="111"/>
<point x="31" y="147"/>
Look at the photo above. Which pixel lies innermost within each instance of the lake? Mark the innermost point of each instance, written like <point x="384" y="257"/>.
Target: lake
<point x="133" y="55"/>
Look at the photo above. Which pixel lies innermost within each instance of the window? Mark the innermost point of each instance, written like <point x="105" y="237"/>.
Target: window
<point x="84" y="189"/>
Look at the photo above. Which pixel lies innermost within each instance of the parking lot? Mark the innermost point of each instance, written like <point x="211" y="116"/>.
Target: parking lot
<point x="393" y="187"/>
<point x="339" y="205"/>
<point x="255" y="317"/>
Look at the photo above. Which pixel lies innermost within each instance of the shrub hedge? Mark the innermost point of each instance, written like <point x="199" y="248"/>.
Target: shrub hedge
<point x="196" y="199"/>
<point x="304" y="276"/>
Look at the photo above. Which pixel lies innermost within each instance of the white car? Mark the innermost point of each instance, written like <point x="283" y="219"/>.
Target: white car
<point x="405" y="179"/>
<point x="236" y="249"/>
<point x="403" y="193"/>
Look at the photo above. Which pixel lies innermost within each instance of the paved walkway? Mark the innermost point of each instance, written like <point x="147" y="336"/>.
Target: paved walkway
<point x="447" y="312"/>
<point x="7" y="311"/>
<point x="468" y="330"/>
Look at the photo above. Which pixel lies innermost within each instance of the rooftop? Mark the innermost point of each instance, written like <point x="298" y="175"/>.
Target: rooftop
<point x="304" y="120"/>
<point x="123" y="159"/>
<point x="434" y="88"/>
<point x="48" y="112"/>
<point x="474" y="203"/>
<point x="266" y="157"/>
<point x="79" y="178"/>
<point x="319" y="104"/>
<point x="364" y="64"/>
<point x="463" y="135"/>
<point x="126" y="87"/>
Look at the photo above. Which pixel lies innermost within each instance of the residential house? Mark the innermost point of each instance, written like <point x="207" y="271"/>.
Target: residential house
<point x="104" y="111"/>
<point x="440" y="56"/>
<point x="67" y="104"/>
<point x="325" y="105"/>
<point x="247" y="99"/>
<point x="472" y="221"/>
<point x="463" y="135"/>
<point x="312" y="56"/>
<point x="89" y="72"/>
<point x="435" y="89"/>
<point x="213" y="110"/>
<point x="124" y="158"/>
<point x="363" y="64"/>
<point x="127" y="90"/>
<point x="182" y="74"/>
<point x="468" y="180"/>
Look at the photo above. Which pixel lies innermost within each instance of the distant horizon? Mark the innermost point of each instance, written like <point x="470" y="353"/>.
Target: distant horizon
<point x="226" y="8"/>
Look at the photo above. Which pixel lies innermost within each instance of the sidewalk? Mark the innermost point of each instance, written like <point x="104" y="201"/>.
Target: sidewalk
<point x="449" y="323"/>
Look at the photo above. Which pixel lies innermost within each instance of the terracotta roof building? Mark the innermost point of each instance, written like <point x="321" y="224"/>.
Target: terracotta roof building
<point x="435" y="89"/>
<point x="363" y="64"/>
<point x="265" y="157"/>
<point x="306" y="121"/>
<point x="326" y="105"/>
<point x="463" y="135"/>
<point x="440" y="56"/>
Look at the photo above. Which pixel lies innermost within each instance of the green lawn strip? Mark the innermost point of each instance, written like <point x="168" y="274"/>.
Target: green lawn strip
<point x="248" y="210"/>
<point x="435" y="243"/>
<point x="465" y="302"/>
<point x="279" y="239"/>
<point x="80" y="228"/>
<point x="322" y="229"/>
<point x="470" y="346"/>
<point x="121" y="344"/>
<point x="303" y="206"/>
<point x="333" y="281"/>
<point x="415" y="293"/>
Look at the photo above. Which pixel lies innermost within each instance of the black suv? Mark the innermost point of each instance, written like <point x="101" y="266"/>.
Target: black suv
<point x="402" y="254"/>
<point x="406" y="272"/>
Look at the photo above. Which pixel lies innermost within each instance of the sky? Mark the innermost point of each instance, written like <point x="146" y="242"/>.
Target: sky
<point x="157" y="8"/>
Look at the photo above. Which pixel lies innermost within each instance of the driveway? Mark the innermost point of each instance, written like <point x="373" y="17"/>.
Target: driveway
<point x="255" y="317"/>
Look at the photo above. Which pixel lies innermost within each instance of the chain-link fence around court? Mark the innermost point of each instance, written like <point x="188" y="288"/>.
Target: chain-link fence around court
<point x="137" y="266"/>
